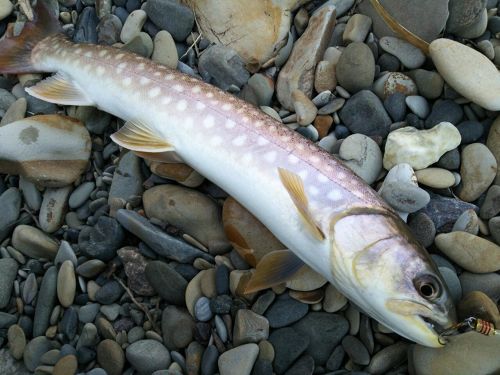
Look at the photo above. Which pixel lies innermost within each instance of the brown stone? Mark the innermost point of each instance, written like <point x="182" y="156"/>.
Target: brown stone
<point x="67" y="365"/>
<point x="135" y="266"/>
<point x="323" y="123"/>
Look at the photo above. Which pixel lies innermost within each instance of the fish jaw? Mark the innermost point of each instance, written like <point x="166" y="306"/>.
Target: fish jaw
<point x="382" y="270"/>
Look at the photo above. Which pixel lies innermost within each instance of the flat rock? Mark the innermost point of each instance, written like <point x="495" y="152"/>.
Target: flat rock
<point x="190" y="211"/>
<point x="35" y="349"/>
<point x="10" y="201"/>
<point x="239" y="360"/>
<point x="285" y="311"/>
<point x="480" y="306"/>
<point x="298" y="72"/>
<point x="8" y="272"/>
<point x="127" y="179"/>
<point x="168" y="283"/>
<point x="488" y="283"/>
<point x="34" y="243"/>
<point x="473" y="253"/>
<point x="50" y="150"/>
<point x="478" y="170"/>
<point x="148" y="356"/>
<point x="409" y="55"/>
<point x="420" y="148"/>
<point x="493" y="142"/>
<point x="177" y="327"/>
<point x="17" y="341"/>
<point x="172" y="16"/>
<point x="355" y="69"/>
<point x="468" y="353"/>
<point x="459" y="66"/>
<point x="53" y="208"/>
<point x="288" y="345"/>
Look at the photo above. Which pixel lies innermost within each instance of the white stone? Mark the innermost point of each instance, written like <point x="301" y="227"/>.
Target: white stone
<point x="418" y="105"/>
<point x="420" y="148"/>
<point x="467" y="71"/>
<point x="363" y="156"/>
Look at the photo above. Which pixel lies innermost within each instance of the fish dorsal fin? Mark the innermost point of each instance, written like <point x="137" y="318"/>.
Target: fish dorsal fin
<point x="295" y="187"/>
<point x="60" y="89"/>
<point x="139" y="137"/>
<point x="274" y="268"/>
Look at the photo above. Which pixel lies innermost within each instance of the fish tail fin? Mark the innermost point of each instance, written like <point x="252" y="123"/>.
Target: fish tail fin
<point x="15" y="52"/>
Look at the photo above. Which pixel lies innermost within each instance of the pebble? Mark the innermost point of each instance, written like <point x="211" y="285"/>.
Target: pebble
<point x="62" y="149"/>
<point x="10" y="201"/>
<point x="288" y="346"/>
<point x="8" y="272"/>
<point x="487" y="283"/>
<point x="445" y="211"/>
<point x="249" y="327"/>
<point x="148" y="356"/>
<point x="69" y="323"/>
<point x="420" y="148"/>
<point x="34" y="243"/>
<point x="324" y="331"/>
<point x="452" y="282"/>
<point x="110" y="357"/>
<point x="356" y="351"/>
<point x="285" y="311"/>
<point x="429" y="83"/>
<point x="6" y="9"/>
<point x="109" y="29"/>
<point x="395" y="105"/>
<point x="333" y="300"/>
<point x="102" y="240"/>
<point x="364" y="113"/>
<point x="363" y="156"/>
<point x="470" y="131"/>
<point x="478" y="170"/>
<point x="31" y="194"/>
<point x="355" y="70"/>
<point x="127" y="178"/>
<point x="111" y="312"/>
<point x="357" y="28"/>
<point x="30" y="288"/>
<point x="166" y="282"/>
<point x="160" y="242"/>
<point x="436" y="178"/>
<point x="190" y="211"/>
<point x="80" y="195"/>
<point x="393" y="82"/>
<point x="34" y="351"/>
<point x="298" y="72"/>
<point x="409" y="55"/>
<point x="468" y="353"/>
<point x="444" y="111"/>
<point x="16" y="111"/>
<point x="405" y="197"/>
<point x="464" y="16"/>
<point x="133" y="25"/>
<point x="53" y="208"/>
<point x="177" y="327"/>
<point x="202" y="310"/>
<point x="87" y="313"/>
<point x="325" y="78"/>
<point x="473" y="253"/>
<point x="172" y="16"/>
<point x="109" y="293"/>
<point x="239" y="360"/>
<point x="17" y="341"/>
<point x="141" y="44"/>
<point x="418" y="105"/>
<point x="480" y="306"/>
<point x="66" y="284"/>
<point x="304" y="108"/>
<point x="165" y="51"/>
<point x="91" y="268"/>
<point x="135" y="264"/>
<point x="135" y="334"/>
<point x="65" y="252"/>
<point x="67" y="365"/>
<point x="467" y="222"/>
<point x="491" y="203"/>
<point x="388" y="358"/>
<point x="223" y="66"/>
<point x="458" y="65"/>
<point x="208" y="364"/>
<point x="6" y="320"/>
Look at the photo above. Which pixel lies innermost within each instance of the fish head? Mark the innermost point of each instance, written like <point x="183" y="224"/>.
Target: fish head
<point x="389" y="275"/>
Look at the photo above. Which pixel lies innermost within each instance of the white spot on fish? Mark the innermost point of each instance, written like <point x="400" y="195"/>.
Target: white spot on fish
<point x="168" y="77"/>
<point x="247" y="158"/>
<point x="329" y="168"/>
<point x="188" y="122"/>
<point x="166" y="100"/>
<point x="334" y="195"/>
<point x="157" y="74"/>
<point x="102" y="53"/>
<point x="122" y="65"/>
<point x="209" y="95"/>
<point x="300" y="147"/>
<point x="270" y="156"/>
<point x="292" y="159"/>
<point x="303" y="174"/>
<point x="178" y="88"/>
<point x="144" y="81"/>
<point x="285" y="138"/>
<point x="209" y="122"/>
<point x="200" y="106"/>
<point x="88" y="54"/>
<point x="240" y="140"/>
<point x="341" y="175"/>
<point x="141" y="66"/>
<point x="119" y="56"/>
<point x="63" y="53"/>
<point x="78" y="50"/>
<point x="196" y="89"/>
<point x="227" y="107"/>
<point x="245" y="119"/>
<point x="100" y="70"/>
<point x="119" y="70"/>
<point x="261" y="141"/>
<point x="216" y="141"/>
<point x="127" y="81"/>
<point x="322" y="178"/>
<point x="313" y="190"/>
<point x="154" y="92"/>
<point x="214" y="103"/>
<point x="181" y="105"/>
<point x="230" y="124"/>
<point x="258" y="124"/>
<point x="314" y="159"/>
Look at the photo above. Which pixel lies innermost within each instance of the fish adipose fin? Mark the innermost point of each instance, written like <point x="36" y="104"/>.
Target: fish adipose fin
<point x="273" y="269"/>
<point x="138" y="136"/>
<point x="15" y="53"/>
<point x="295" y="187"/>
<point x="59" y="89"/>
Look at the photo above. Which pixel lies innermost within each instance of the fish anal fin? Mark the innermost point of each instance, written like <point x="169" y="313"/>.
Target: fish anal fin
<point x="295" y="188"/>
<point x="240" y="244"/>
<point x="274" y="268"/>
<point x="140" y="138"/>
<point x="59" y="89"/>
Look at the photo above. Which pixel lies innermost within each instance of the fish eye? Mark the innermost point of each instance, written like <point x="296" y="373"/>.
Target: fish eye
<point x="428" y="286"/>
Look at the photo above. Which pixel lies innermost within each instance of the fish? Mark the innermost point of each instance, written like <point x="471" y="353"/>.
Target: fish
<point x="324" y="215"/>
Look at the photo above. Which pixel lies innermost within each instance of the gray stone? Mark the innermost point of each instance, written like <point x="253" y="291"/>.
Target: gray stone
<point x="162" y="243"/>
<point x="35" y="349"/>
<point x="127" y="179"/>
<point x="10" y="366"/>
<point x="64" y="253"/>
<point x="452" y="282"/>
<point x="288" y="345"/>
<point x="102" y="240"/>
<point x="249" y="327"/>
<point x="172" y="16"/>
<point x="444" y="111"/>
<point x="285" y="311"/>
<point x="411" y="56"/>
<point x="429" y="83"/>
<point x="6" y="320"/>
<point x="45" y="302"/>
<point x="364" y="113"/>
<point x="34" y="243"/>
<point x="81" y="194"/>
<point x="356" y="350"/>
<point x="405" y="197"/>
<point x="177" y="327"/>
<point x="169" y="284"/>
<point x="388" y="358"/>
<point x="147" y="356"/>
<point x="8" y="272"/>
<point x="223" y="67"/>
<point x="491" y="204"/>
<point x="32" y="196"/>
<point x="355" y="69"/>
<point x="87" y="313"/>
<point x="108" y="30"/>
<point x="109" y="293"/>
<point x="239" y="360"/>
<point x="463" y="14"/>
<point x="363" y="156"/>
<point x="488" y="283"/>
<point x="10" y="201"/>
<point x="53" y="208"/>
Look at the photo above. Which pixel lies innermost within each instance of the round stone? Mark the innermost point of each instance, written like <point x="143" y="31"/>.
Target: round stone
<point x="67" y="365"/>
<point x="148" y="356"/>
<point x="355" y="69"/>
<point x="478" y="170"/>
<point x="110" y="357"/>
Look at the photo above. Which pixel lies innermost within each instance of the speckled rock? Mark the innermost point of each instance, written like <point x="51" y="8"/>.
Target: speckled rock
<point x="363" y="156"/>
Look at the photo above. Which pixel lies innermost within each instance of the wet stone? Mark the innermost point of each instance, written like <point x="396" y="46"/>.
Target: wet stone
<point x="285" y="311"/>
<point x="288" y="345"/>
<point x="102" y="240"/>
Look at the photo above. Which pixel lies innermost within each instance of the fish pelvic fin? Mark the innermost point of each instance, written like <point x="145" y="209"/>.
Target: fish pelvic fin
<point x="15" y="53"/>
<point x="295" y="188"/>
<point x="138" y="136"/>
<point x="274" y="268"/>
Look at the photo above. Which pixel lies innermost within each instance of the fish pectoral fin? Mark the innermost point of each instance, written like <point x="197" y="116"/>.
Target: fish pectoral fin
<point x="274" y="268"/>
<point x="140" y="138"/>
<point x="295" y="188"/>
<point x="60" y="89"/>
